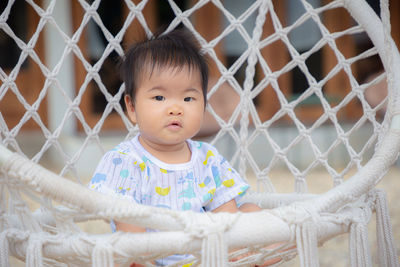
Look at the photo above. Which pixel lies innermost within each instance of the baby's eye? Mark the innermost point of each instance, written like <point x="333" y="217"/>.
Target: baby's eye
<point x="159" y="98"/>
<point x="188" y="99"/>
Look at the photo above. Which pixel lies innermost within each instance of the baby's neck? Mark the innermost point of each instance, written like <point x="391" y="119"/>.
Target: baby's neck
<point x="171" y="154"/>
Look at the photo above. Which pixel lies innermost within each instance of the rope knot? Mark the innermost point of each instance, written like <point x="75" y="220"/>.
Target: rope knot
<point x="297" y="214"/>
<point x="47" y="16"/>
<point x="114" y="43"/>
<point x="202" y="231"/>
<point x="91" y="11"/>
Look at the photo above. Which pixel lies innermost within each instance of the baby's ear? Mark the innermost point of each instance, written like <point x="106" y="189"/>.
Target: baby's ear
<point x="130" y="108"/>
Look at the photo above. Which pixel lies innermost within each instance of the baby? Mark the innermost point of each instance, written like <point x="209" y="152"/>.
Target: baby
<point x="166" y="81"/>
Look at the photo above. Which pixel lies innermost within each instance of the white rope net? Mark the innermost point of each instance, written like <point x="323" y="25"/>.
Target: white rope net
<point x="349" y="137"/>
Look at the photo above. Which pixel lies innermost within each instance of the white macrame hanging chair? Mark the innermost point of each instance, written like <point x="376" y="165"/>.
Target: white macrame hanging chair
<point x="299" y="222"/>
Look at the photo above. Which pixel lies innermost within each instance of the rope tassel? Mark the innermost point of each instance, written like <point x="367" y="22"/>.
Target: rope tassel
<point x="307" y="244"/>
<point x="214" y="251"/>
<point x="102" y="255"/>
<point x="359" y="248"/>
<point x="387" y="250"/>
<point x="34" y="253"/>
<point x="4" y="249"/>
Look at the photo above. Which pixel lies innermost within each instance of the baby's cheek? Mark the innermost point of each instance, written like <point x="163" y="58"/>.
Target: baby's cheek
<point x="195" y="126"/>
<point x="198" y="118"/>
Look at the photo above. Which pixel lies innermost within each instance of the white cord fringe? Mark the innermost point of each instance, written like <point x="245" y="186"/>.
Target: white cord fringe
<point x="307" y="244"/>
<point x="34" y="251"/>
<point x="387" y="253"/>
<point x="4" y="249"/>
<point x="102" y="255"/>
<point x="359" y="247"/>
<point x="214" y="251"/>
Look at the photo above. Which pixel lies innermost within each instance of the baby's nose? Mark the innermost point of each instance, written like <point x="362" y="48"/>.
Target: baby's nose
<point x="175" y="110"/>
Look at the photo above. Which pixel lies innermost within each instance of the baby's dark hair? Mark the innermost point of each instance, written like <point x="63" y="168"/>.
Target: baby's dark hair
<point x="177" y="48"/>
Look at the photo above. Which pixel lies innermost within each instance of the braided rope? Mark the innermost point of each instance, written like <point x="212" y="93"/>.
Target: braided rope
<point x="244" y="136"/>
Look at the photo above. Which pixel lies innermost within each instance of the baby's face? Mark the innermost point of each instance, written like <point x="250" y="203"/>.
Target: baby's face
<point x="169" y="106"/>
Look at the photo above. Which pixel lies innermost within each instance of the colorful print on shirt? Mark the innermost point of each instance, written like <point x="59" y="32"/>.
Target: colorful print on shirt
<point x="202" y="184"/>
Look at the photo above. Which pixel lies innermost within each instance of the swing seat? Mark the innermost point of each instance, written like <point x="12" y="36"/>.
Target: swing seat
<point x="290" y="224"/>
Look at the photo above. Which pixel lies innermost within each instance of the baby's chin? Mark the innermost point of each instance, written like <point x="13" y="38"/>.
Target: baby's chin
<point x="170" y="142"/>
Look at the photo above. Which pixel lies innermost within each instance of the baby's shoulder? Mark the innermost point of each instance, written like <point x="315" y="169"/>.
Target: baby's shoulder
<point x="124" y="147"/>
<point x="203" y="147"/>
<point x="124" y="151"/>
<point x="207" y="153"/>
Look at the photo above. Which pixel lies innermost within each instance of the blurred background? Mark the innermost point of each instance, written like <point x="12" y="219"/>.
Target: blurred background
<point x="59" y="76"/>
<point x="61" y="95"/>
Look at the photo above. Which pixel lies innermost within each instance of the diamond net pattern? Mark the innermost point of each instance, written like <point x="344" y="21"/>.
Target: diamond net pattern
<point x="305" y="109"/>
<point x="346" y="113"/>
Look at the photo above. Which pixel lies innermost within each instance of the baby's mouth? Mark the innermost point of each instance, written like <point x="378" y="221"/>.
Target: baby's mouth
<point x="175" y="125"/>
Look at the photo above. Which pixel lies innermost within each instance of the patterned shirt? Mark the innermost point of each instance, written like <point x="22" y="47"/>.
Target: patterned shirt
<point x="203" y="184"/>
